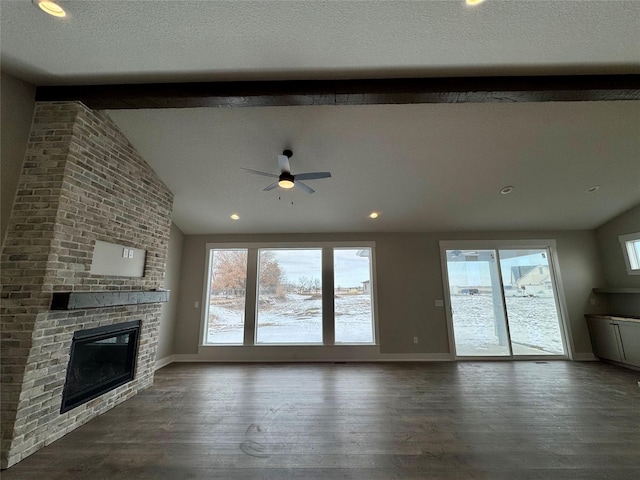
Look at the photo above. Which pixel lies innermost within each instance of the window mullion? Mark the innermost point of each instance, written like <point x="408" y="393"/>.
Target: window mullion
<point x="250" y="300"/>
<point x="328" y="307"/>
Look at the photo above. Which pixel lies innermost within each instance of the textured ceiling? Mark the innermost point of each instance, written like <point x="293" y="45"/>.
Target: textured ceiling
<point x="424" y="167"/>
<point x="151" y="41"/>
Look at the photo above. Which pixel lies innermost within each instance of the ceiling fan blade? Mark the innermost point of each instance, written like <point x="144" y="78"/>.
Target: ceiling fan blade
<point x="257" y="172"/>
<point x="303" y="186"/>
<point x="283" y="162"/>
<point x="312" y="175"/>
<point x="271" y="187"/>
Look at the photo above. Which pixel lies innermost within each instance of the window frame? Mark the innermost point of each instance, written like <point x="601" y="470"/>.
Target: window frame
<point x="207" y="295"/>
<point x="251" y="310"/>
<point x="257" y="303"/>
<point x="371" y="292"/>
<point x="631" y="258"/>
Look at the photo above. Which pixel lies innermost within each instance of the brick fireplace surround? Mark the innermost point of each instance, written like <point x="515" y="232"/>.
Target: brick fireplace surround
<point x="81" y="181"/>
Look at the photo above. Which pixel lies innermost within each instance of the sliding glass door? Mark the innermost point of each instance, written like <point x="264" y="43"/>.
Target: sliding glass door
<point x="531" y="302"/>
<point x="503" y="303"/>
<point x="477" y="307"/>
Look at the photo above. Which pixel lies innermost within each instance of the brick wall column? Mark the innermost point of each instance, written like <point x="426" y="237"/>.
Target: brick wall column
<point x="81" y="181"/>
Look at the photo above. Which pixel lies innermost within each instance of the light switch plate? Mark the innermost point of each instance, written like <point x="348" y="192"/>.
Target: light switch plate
<point x="439" y="303"/>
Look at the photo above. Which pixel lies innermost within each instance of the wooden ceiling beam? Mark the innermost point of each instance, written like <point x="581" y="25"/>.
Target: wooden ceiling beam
<point x="569" y="88"/>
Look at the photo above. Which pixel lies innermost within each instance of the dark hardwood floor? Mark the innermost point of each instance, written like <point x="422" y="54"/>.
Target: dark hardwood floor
<point x="449" y="421"/>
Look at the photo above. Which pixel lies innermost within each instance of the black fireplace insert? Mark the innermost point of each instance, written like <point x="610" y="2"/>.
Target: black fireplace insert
<point x="101" y="359"/>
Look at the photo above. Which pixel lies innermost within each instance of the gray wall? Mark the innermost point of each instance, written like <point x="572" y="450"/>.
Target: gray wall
<point x="615" y="272"/>
<point x="171" y="282"/>
<point x="409" y="279"/>
<point x="17" y="100"/>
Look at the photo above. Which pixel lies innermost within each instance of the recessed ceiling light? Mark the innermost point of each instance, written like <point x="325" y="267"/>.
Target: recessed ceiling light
<point x="52" y="8"/>
<point x="235" y="216"/>
<point x="373" y="215"/>
<point x="473" y="3"/>
<point x="506" y="190"/>
<point x="593" y="188"/>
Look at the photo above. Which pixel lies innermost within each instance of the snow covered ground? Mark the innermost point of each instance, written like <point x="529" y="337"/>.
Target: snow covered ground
<point x="296" y="319"/>
<point x="533" y="324"/>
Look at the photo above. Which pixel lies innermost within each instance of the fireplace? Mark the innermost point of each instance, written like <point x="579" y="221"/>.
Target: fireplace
<point x="101" y="359"/>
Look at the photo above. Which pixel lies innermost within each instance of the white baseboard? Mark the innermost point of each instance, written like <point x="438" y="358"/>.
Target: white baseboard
<point x="277" y="355"/>
<point x="207" y="356"/>
<point x="414" y="357"/>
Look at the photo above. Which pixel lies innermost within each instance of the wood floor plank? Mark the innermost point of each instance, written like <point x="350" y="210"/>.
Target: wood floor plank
<point x="448" y="421"/>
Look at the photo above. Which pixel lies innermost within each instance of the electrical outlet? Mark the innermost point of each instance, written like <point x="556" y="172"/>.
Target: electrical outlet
<point x="196" y="305"/>
<point x="131" y="253"/>
<point x="439" y="303"/>
<point x="415" y="339"/>
<point x="593" y="300"/>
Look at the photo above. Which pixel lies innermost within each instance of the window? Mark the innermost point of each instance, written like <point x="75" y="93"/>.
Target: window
<point x="294" y="294"/>
<point x="631" y="252"/>
<point x="289" y="296"/>
<point x="227" y="296"/>
<point x="352" y="294"/>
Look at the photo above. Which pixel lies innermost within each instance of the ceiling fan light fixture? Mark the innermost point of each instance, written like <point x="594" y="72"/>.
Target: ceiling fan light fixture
<point x="285" y="180"/>
<point x="52" y="8"/>
<point x="286" y="183"/>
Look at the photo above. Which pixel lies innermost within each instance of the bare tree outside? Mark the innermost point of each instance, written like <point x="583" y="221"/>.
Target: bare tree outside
<point x="229" y="272"/>
<point x="228" y="291"/>
<point x="270" y="272"/>
<point x="303" y="284"/>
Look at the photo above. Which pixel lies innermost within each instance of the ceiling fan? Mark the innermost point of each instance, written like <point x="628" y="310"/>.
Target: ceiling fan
<point x="286" y="179"/>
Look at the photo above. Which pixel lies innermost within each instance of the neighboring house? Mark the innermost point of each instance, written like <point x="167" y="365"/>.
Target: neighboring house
<point x="531" y="280"/>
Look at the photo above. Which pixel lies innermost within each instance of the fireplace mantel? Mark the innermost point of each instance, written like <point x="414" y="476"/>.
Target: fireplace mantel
<point x="83" y="300"/>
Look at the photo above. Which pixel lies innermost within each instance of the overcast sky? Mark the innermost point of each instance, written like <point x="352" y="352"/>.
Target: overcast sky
<point x="350" y="269"/>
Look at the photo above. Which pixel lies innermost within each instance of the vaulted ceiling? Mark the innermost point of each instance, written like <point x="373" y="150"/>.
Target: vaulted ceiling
<point x="424" y="167"/>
